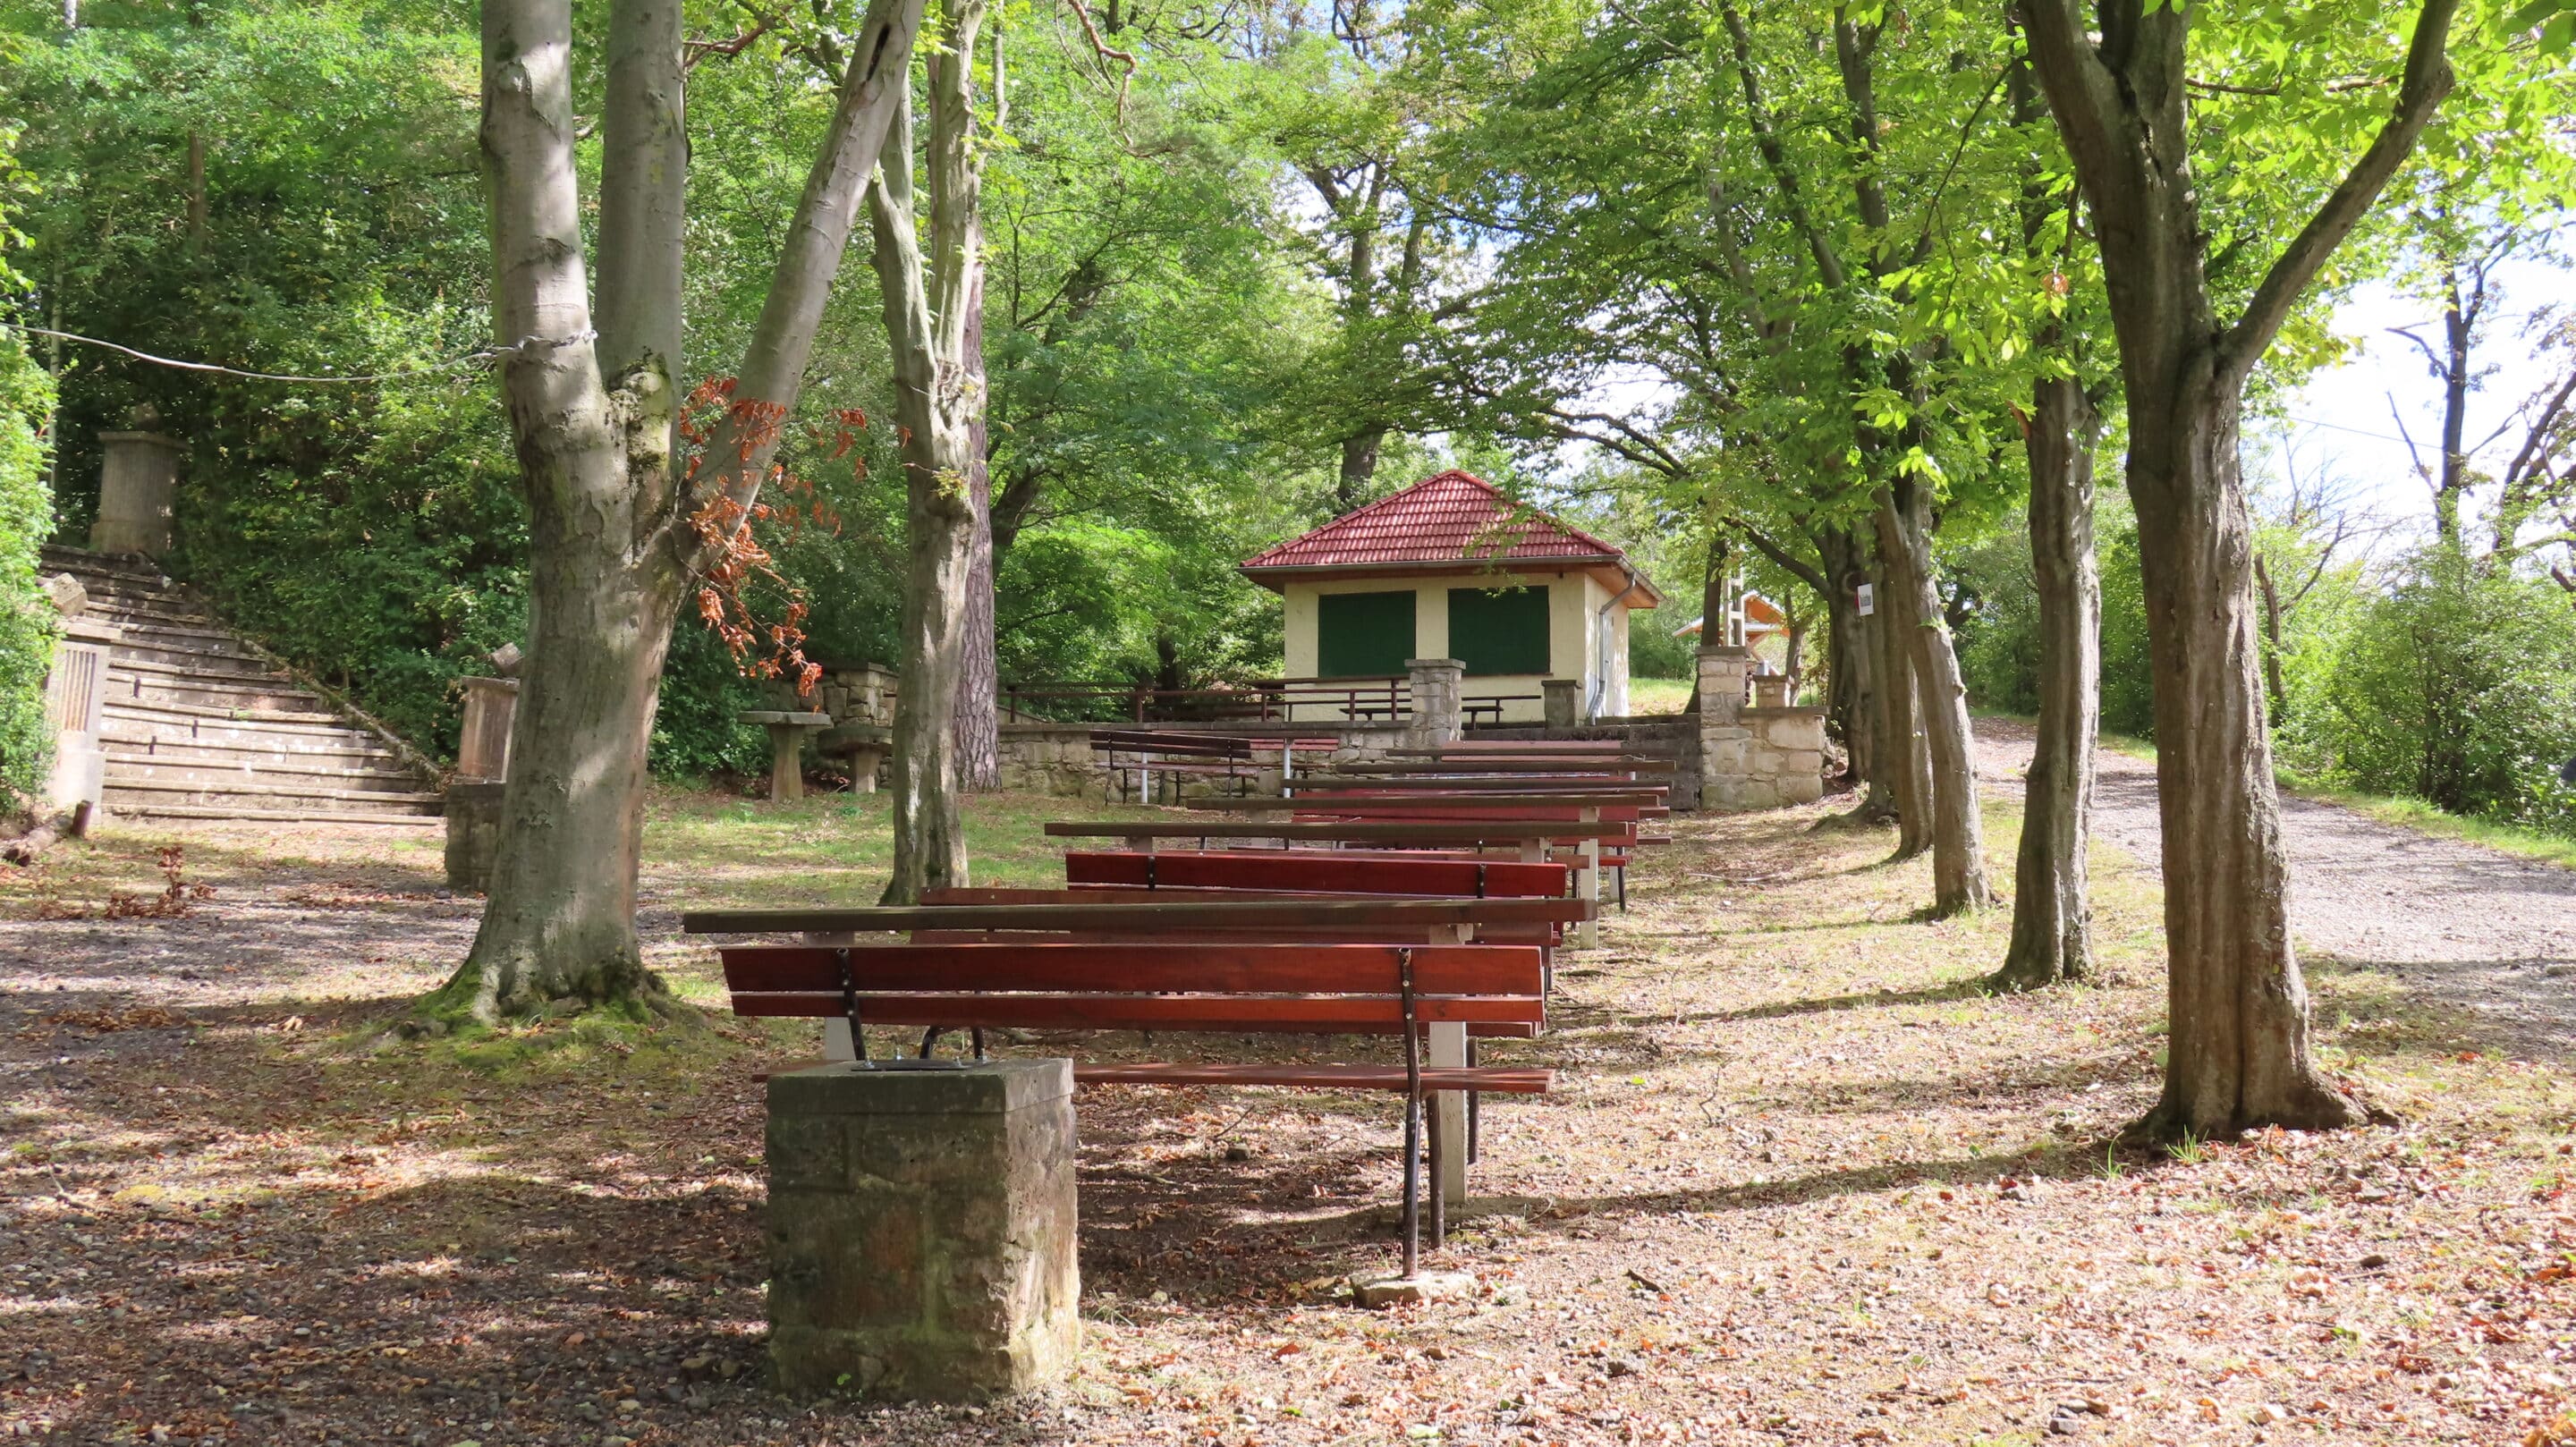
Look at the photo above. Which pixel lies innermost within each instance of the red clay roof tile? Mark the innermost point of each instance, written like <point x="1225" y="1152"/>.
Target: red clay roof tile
<point x="1452" y="517"/>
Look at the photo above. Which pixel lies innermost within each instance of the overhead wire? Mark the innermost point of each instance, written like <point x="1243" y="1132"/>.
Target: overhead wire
<point x="483" y="358"/>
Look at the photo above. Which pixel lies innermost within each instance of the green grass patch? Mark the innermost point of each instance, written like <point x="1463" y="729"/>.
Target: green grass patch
<point x="2424" y="818"/>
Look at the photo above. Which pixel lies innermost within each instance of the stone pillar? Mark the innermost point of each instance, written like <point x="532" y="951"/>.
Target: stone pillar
<point x="1437" y="685"/>
<point x="473" y="833"/>
<point x="75" y="699"/>
<point x="1725" y="744"/>
<point x="1773" y="690"/>
<point x="134" y="493"/>
<point x="1562" y="701"/>
<point x="483" y="745"/>
<point x="921" y="1230"/>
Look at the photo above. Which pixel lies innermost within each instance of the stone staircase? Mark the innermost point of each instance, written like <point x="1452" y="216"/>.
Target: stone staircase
<point x="200" y="724"/>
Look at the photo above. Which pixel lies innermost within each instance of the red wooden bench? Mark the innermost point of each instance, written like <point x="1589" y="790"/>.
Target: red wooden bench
<point x="1147" y="752"/>
<point x="1334" y="872"/>
<point x="1227" y="988"/>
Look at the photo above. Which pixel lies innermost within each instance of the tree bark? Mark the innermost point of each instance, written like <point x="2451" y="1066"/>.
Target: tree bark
<point x="1956" y="825"/>
<point x="561" y="920"/>
<point x="2239" y="1053"/>
<point x="2275" y="694"/>
<point x="616" y="533"/>
<point x="2052" y="934"/>
<point x="979" y="681"/>
<point x="1904" y="757"/>
<point x="1359" y="468"/>
<point x="938" y="400"/>
<point x="1852" y="701"/>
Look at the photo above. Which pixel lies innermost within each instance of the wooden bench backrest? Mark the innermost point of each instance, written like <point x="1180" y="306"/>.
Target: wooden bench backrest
<point x="1175" y="745"/>
<point x="1371" y="872"/>
<point x="1305" y="988"/>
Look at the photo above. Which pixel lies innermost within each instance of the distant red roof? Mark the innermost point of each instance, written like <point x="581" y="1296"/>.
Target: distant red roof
<point x="1454" y="519"/>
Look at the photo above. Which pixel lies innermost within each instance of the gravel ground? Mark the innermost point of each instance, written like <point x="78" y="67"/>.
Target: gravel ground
<point x="2466" y="924"/>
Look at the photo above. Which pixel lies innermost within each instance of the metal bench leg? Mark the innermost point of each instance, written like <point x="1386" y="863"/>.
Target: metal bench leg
<point x="1412" y="1121"/>
<point x="1622" y="873"/>
<point x="840" y="1043"/>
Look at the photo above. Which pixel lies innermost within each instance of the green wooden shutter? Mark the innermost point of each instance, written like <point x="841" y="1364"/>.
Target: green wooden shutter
<point x="1359" y="635"/>
<point x="1499" y="632"/>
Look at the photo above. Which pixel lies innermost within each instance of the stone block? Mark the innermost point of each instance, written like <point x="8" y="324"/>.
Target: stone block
<point x="473" y="834"/>
<point x="137" y="482"/>
<point x="1798" y="729"/>
<point x="921" y="1230"/>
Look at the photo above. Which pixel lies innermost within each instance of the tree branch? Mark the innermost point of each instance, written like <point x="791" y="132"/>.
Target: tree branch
<point x="2427" y="80"/>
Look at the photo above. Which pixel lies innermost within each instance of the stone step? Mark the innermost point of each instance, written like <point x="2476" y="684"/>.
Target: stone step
<point x="278" y="816"/>
<point x="107" y="569"/>
<point x="126" y="795"/>
<point x="259" y="696"/>
<point x="123" y="614"/>
<point x="143" y="745"/>
<point x="215" y="657"/>
<point x="136" y="721"/>
<point x="327" y="771"/>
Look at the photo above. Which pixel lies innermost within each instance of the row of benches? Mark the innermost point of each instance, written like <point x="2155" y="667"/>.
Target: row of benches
<point x="1404" y="926"/>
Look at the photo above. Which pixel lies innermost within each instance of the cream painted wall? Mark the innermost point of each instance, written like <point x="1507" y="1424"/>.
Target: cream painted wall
<point x="1574" y="600"/>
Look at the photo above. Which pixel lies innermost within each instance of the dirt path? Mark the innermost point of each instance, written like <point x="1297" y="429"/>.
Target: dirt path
<point x="2476" y="928"/>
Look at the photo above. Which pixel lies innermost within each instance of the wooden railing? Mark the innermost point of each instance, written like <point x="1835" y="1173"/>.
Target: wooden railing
<point x="1385" y="699"/>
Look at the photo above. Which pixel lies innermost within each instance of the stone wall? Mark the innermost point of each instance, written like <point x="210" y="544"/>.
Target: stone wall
<point x="1056" y="758"/>
<point x="1754" y="758"/>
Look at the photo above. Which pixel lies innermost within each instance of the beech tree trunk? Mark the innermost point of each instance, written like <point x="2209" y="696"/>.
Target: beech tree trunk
<point x="2052" y="934"/>
<point x="1957" y="826"/>
<point x="1359" y="468"/>
<point x="2239" y="1054"/>
<point x="616" y="532"/>
<point x="979" y="680"/>
<point x="930" y="312"/>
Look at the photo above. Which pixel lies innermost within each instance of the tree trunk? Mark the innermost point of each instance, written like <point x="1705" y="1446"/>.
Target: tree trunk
<point x="2239" y="1053"/>
<point x="561" y="920"/>
<point x="1905" y="755"/>
<point x="1957" y="827"/>
<point x="979" y="680"/>
<point x="1359" y="469"/>
<point x="2273" y="692"/>
<point x="938" y="401"/>
<point x="1853" y="703"/>
<point x="2052" y="935"/>
<point x="614" y="536"/>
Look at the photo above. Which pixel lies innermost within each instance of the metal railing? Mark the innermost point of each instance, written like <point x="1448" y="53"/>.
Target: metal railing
<point x="1386" y="699"/>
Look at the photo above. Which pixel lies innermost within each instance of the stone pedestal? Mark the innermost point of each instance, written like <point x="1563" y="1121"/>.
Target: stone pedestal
<point x="1773" y="690"/>
<point x="75" y="699"/>
<point x="787" y="748"/>
<point x="1437" y="686"/>
<point x="134" y="493"/>
<point x="1561" y="701"/>
<point x="921" y="1230"/>
<point x="483" y="745"/>
<point x="473" y="833"/>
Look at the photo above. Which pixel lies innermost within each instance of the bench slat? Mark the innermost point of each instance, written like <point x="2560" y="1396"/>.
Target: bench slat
<point x="1248" y="1014"/>
<point x="1315" y="870"/>
<point x="1311" y="969"/>
<point x="1500" y="1079"/>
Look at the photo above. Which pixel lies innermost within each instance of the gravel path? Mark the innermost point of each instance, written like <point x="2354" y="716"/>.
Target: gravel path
<point x="2470" y="926"/>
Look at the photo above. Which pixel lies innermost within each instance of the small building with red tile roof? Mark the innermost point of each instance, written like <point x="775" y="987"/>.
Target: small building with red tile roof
<point x="1452" y="568"/>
